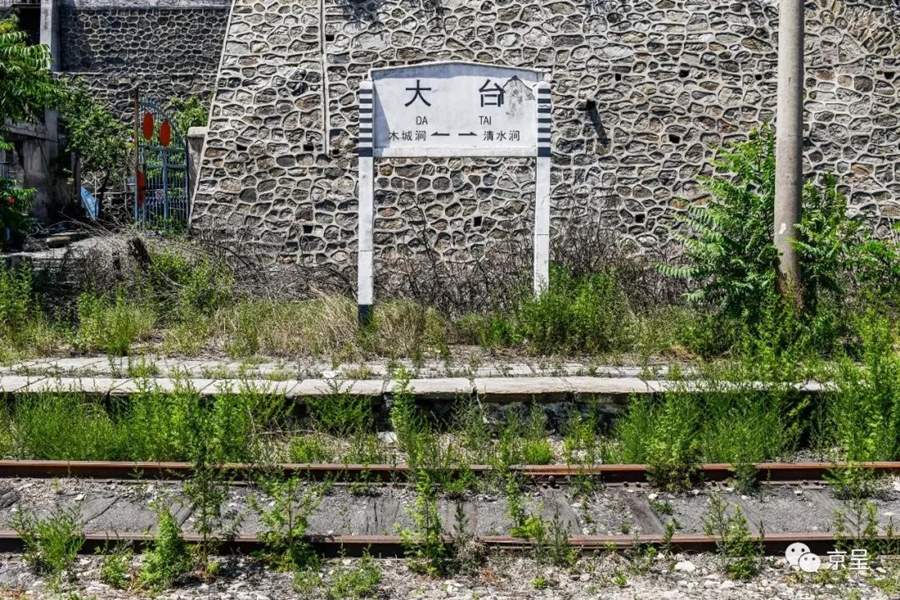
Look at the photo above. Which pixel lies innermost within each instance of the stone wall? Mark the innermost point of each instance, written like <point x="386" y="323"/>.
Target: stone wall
<point x="166" y="48"/>
<point x="644" y="91"/>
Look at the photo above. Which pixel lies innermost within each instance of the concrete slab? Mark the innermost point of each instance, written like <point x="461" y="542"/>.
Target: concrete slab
<point x="324" y="387"/>
<point x="261" y="386"/>
<point x="516" y="389"/>
<point x="90" y="385"/>
<point x="163" y="384"/>
<point x="11" y="384"/>
<point x="614" y="386"/>
<point x="445" y="388"/>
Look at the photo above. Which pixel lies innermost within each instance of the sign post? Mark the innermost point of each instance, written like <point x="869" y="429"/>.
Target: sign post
<point x="452" y="109"/>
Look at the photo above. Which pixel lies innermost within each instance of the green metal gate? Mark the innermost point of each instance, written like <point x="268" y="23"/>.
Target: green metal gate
<point x="162" y="179"/>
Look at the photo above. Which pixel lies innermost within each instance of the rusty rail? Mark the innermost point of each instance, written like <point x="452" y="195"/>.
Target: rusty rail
<point x="619" y="473"/>
<point x="392" y="546"/>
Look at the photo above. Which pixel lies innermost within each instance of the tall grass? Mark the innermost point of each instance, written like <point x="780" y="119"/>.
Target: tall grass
<point x="112" y="325"/>
<point x="150" y="425"/>
<point x="865" y="408"/>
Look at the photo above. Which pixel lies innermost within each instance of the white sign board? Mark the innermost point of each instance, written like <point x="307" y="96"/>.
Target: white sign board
<point x="455" y="110"/>
<point x="452" y="109"/>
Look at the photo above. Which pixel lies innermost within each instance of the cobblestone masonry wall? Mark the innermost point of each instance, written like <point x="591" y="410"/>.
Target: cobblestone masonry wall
<point x="643" y="93"/>
<point x="167" y="48"/>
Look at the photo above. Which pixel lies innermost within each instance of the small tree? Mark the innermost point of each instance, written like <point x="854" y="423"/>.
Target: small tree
<point x="101" y="140"/>
<point x="732" y="261"/>
<point x="26" y="85"/>
<point x="26" y="89"/>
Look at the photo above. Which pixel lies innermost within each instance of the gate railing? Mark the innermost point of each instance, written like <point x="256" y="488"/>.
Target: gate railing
<point x="161" y="179"/>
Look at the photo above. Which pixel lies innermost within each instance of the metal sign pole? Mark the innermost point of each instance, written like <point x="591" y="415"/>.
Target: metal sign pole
<point x="365" y="267"/>
<point x="542" y="190"/>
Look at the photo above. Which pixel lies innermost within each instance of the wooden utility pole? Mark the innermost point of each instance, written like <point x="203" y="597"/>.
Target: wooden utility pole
<point x="789" y="145"/>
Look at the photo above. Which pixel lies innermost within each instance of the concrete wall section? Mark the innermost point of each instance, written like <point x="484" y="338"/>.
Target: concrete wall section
<point x="166" y="48"/>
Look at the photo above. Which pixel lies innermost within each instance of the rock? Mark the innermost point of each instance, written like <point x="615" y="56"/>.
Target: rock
<point x="388" y="437"/>
<point x="685" y="566"/>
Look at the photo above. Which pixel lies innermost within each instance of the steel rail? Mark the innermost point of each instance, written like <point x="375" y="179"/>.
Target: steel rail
<point x="392" y="545"/>
<point x="612" y="473"/>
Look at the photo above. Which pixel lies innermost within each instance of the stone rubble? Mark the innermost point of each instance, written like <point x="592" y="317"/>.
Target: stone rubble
<point x="499" y="578"/>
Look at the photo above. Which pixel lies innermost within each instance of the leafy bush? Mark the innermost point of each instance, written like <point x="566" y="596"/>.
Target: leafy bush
<point x="188" y="112"/>
<point x="286" y="519"/>
<point x="309" y="449"/>
<point x="731" y="259"/>
<point x="168" y="559"/>
<point x="726" y="419"/>
<point x="27" y="86"/>
<point x="112" y="325"/>
<point x="424" y="546"/>
<point x="148" y="425"/>
<point x="588" y="314"/>
<point x="341" y="413"/>
<point x="115" y="568"/>
<point x="741" y="556"/>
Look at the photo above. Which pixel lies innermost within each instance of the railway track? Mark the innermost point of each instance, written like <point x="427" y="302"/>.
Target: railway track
<point x="627" y="487"/>
<point x="611" y="473"/>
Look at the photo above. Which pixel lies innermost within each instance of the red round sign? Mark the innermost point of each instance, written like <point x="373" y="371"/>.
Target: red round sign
<point x="165" y="133"/>
<point x="148" y="126"/>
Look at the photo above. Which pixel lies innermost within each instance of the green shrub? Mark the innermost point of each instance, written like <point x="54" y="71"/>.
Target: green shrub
<point x="52" y="543"/>
<point x="741" y="556"/>
<point x="663" y="436"/>
<point x="188" y="112"/>
<point x="424" y="546"/>
<point x="581" y="444"/>
<point x="16" y="304"/>
<point x="158" y="425"/>
<point x="519" y="441"/>
<point x="340" y="413"/>
<point x="865" y="407"/>
<point x="24" y="329"/>
<point x="726" y="418"/>
<point x="309" y="449"/>
<point x="187" y="289"/>
<point x="285" y="519"/>
<point x="115" y="568"/>
<point x="168" y="559"/>
<point x="112" y="325"/>
<point x="588" y="314"/>
<point x="149" y="425"/>
<point x="100" y="139"/>
<point x="731" y="259"/>
<point x="358" y="581"/>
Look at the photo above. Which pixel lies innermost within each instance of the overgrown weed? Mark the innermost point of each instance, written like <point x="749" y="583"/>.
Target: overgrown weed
<point x="51" y="543"/>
